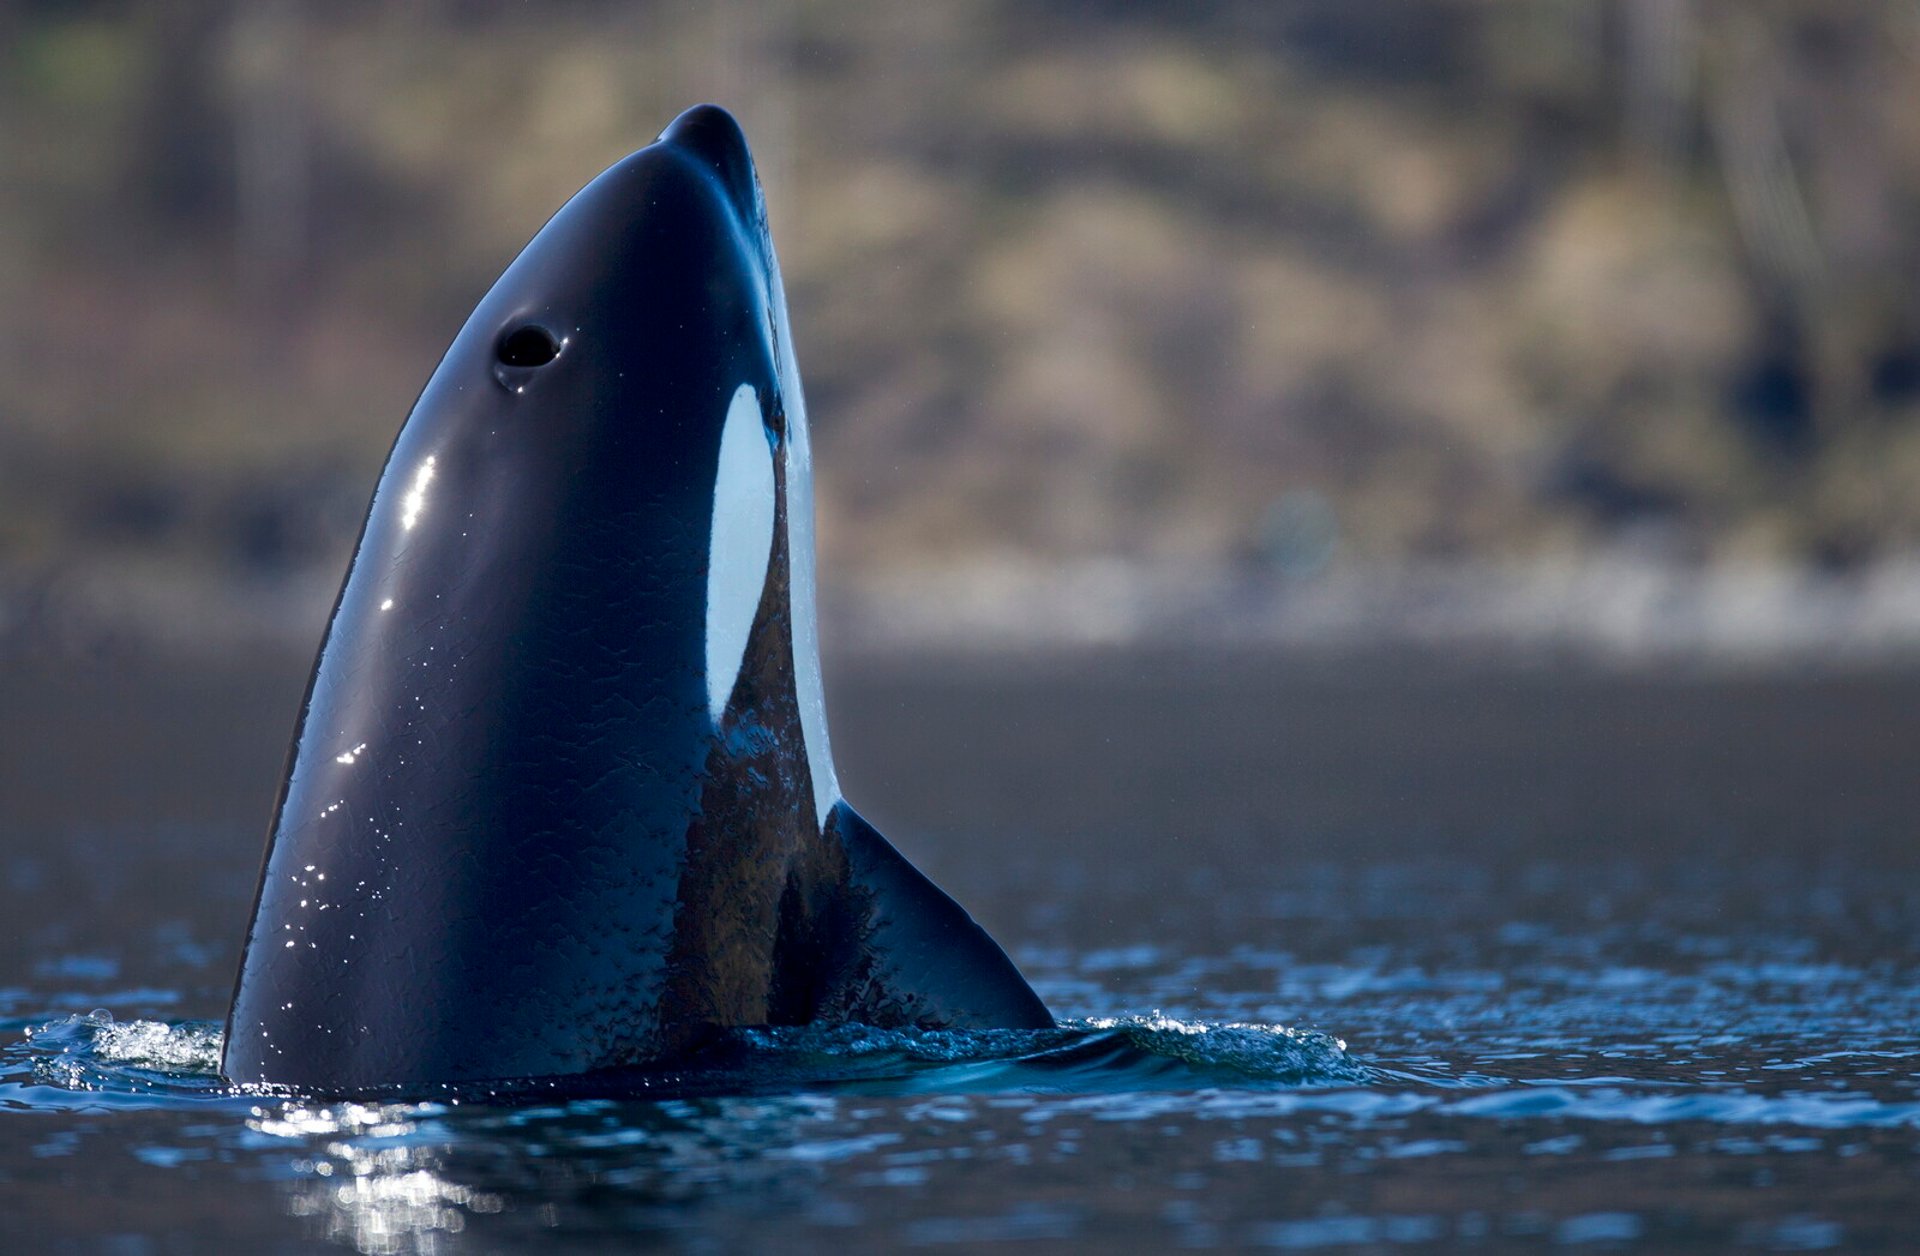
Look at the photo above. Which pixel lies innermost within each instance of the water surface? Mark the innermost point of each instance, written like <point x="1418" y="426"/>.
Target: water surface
<point x="1345" y="960"/>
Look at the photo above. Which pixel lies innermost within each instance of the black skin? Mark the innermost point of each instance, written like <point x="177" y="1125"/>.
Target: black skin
<point x="513" y="842"/>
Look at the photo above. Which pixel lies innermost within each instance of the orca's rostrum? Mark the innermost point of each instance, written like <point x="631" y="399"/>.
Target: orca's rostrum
<point x="560" y="798"/>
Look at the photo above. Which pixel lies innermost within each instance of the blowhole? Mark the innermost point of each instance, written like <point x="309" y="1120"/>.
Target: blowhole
<point x="528" y="345"/>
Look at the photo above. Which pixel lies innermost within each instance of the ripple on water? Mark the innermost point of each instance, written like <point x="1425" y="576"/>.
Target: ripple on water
<point x="94" y="1053"/>
<point x="1108" y="1068"/>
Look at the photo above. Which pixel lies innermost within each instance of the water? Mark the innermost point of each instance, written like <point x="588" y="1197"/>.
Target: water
<point x="1443" y="1007"/>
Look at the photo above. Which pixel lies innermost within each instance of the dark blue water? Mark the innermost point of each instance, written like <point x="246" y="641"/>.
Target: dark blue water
<point x="1627" y="1029"/>
<point x="1663" y="1067"/>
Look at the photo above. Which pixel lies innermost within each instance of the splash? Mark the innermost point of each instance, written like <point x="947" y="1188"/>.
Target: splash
<point x="94" y="1052"/>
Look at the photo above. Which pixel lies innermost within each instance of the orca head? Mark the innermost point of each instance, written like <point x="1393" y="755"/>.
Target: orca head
<point x="654" y="278"/>
<point x="635" y="360"/>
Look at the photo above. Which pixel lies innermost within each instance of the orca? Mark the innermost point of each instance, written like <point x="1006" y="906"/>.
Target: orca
<point x="560" y="799"/>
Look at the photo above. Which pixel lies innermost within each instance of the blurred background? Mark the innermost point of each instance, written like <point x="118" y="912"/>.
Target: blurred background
<point x="1579" y="324"/>
<point x="1398" y="518"/>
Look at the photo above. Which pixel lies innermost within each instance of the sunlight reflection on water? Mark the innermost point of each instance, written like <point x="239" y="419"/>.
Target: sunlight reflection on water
<point x="1607" y="1059"/>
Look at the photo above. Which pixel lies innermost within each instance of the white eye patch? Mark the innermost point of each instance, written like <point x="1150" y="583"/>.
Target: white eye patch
<point x="741" y="547"/>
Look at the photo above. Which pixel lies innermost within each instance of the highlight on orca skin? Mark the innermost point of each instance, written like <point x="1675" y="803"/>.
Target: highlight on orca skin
<point x="560" y="798"/>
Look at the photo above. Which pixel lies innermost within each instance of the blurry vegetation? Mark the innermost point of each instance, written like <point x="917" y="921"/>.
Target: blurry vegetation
<point x="1169" y="283"/>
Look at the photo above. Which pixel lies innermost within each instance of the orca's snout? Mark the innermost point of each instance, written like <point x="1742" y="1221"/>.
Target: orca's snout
<point x="709" y="135"/>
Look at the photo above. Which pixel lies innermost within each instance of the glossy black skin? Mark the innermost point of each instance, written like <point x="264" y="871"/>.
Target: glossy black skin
<point x="512" y="841"/>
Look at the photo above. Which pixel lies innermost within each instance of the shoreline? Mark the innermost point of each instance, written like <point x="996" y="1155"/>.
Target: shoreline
<point x="1609" y="611"/>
